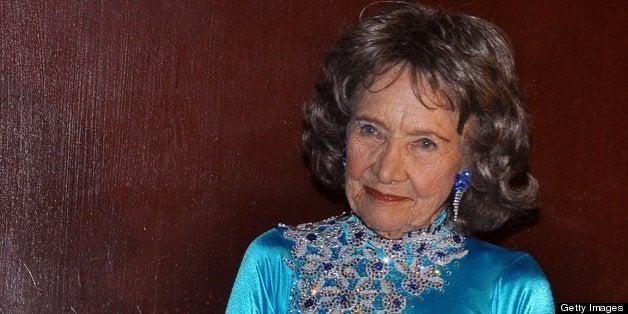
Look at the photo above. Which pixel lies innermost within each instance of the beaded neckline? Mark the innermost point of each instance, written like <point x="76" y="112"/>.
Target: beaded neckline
<point x="340" y="264"/>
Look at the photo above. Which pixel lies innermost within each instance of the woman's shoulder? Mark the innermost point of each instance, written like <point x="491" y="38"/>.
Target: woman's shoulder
<point x="508" y="263"/>
<point x="483" y="250"/>
<point x="270" y="243"/>
<point x="506" y="266"/>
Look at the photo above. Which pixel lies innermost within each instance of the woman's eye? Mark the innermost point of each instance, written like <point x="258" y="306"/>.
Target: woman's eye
<point x="368" y="130"/>
<point x="426" y="143"/>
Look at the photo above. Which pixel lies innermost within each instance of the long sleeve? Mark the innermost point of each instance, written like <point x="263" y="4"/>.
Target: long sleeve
<point x="522" y="288"/>
<point x="264" y="279"/>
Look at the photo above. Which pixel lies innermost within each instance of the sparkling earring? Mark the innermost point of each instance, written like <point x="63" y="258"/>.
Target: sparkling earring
<point x="460" y="185"/>
<point x="344" y="157"/>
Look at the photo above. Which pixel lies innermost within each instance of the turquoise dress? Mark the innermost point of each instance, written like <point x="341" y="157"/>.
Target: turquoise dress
<point x="339" y="265"/>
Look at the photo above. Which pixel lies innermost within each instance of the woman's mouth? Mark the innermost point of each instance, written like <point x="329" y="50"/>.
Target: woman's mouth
<point x="382" y="197"/>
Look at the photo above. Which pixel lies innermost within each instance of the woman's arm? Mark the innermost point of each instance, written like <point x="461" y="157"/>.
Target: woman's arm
<point x="522" y="288"/>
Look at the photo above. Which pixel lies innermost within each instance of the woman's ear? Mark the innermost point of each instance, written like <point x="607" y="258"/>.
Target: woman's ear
<point x="468" y="130"/>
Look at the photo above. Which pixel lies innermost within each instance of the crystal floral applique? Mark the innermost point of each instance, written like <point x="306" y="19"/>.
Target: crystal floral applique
<point x="342" y="266"/>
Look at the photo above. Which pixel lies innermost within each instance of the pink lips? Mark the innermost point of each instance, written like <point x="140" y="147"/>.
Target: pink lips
<point x="385" y="198"/>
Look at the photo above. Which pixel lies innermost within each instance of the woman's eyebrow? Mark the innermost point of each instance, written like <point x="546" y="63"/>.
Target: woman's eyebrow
<point x="365" y="119"/>
<point x="417" y="132"/>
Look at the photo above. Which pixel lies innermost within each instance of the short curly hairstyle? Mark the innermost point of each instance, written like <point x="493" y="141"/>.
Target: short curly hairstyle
<point x="466" y="59"/>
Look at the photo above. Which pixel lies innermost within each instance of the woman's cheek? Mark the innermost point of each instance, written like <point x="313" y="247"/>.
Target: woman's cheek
<point x="353" y="192"/>
<point x="358" y="158"/>
<point x="428" y="181"/>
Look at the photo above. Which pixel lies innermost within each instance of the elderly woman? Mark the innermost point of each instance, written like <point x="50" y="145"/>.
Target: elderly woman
<point x="420" y="120"/>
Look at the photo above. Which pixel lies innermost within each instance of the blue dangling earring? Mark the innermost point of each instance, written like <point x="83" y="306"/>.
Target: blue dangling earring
<point x="460" y="185"/>
<point x="344" y="157"/>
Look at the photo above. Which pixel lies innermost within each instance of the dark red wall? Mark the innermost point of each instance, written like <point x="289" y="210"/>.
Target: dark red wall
<point x="144" y="144"/>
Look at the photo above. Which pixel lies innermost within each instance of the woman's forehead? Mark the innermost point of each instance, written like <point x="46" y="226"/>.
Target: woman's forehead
<point x="397" y="106"/>
<point x="425" y="92"/>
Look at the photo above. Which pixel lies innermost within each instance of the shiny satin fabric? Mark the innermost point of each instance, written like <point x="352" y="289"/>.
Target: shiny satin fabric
<point x="489" y="279"/>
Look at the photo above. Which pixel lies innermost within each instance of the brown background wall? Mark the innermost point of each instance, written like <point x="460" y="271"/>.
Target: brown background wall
<point x="144" y="144"/>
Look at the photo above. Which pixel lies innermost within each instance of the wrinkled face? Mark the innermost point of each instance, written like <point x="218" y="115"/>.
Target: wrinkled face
<point x="402" y="157"/>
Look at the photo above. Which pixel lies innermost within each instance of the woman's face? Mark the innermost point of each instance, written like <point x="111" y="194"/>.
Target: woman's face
<point x="402" y="157"/>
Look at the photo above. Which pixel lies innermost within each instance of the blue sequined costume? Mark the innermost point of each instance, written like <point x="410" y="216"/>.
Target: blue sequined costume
<point x="341" y="266"/>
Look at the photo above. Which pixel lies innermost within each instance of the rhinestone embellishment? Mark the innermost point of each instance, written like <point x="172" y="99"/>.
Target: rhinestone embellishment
<point x="343" y="266"/>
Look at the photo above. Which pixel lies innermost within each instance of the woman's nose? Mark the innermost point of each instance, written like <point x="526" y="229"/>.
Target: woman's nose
<point x="390" y="166"/>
